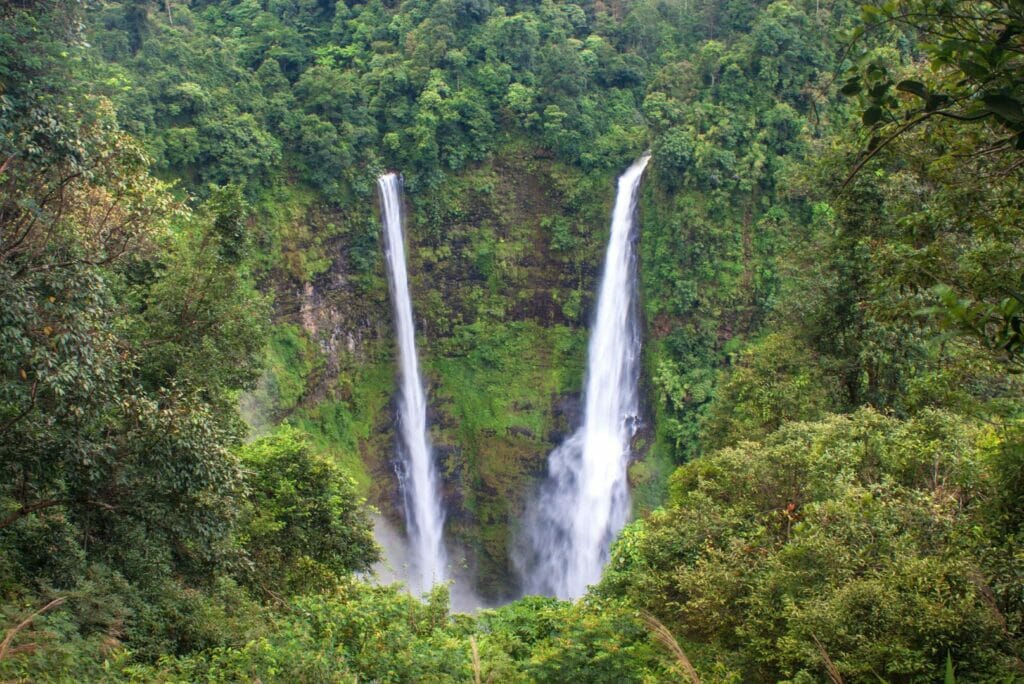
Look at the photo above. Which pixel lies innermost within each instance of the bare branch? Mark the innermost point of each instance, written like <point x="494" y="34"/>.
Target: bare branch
<point x="11" y="633"/>
<point x="834" y="675"/>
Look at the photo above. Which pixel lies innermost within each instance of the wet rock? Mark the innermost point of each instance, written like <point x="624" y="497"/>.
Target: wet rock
<point x="520" y="431"/>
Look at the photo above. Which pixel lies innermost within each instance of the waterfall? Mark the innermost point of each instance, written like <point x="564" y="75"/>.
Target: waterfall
<point x="584" y="502"/>
<point x="424" y="517"/>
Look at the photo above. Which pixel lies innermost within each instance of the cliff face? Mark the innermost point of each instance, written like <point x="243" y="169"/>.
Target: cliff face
<point x="503" y="263"/>
<point x="506" y="262"/>
<point x="503" y="266"/>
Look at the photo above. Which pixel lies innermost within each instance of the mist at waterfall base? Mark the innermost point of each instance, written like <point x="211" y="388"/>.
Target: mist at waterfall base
<point x="417" y="472"/>
<point x="584" y="502"/>
<point x="394" y="566"/>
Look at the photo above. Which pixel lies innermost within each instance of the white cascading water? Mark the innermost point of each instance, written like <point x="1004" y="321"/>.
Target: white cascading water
<point x="584" y="502"/>
<point x="424" y="516"/>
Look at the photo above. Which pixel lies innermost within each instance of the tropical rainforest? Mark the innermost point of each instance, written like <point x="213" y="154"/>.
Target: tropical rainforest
<point x="197" y="357"/>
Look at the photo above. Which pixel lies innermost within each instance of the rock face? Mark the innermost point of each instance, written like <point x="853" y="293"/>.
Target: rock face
<point x="503" y="262"/>
<point x="340" y="317"/>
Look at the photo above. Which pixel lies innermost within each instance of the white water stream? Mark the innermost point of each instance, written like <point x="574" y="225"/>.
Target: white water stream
<point x="584" y="502"/>
<point x="424" y="516"/>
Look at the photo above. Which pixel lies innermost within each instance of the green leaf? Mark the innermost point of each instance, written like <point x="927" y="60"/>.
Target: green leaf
<point x="852" y="86"/>
<point x="950" y="677"/>
<point x="913" y="87"/>
<point x="879" y="90"/>
<point x="974" y="70"/>
<point x="1005" y="107"/>
<point x="872" y="115"/>
<point x="936" y="101"/>
<point x="1008" y="33"/>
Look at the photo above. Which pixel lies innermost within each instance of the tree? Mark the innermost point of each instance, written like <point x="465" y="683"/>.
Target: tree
<point x="975" y="53"/>
<point x="114" y="438"/>
<point x="851" y="534"/>
<point x="971" y="83"/>
<point x="305" y="528"/>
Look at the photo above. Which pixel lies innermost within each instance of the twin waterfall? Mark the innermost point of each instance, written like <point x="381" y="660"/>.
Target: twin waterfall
<point x="424" y="517"/>
<point x="584" y="501"/>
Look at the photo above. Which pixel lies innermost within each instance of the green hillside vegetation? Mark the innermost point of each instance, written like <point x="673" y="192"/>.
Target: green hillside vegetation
<point x="197" y="365"/>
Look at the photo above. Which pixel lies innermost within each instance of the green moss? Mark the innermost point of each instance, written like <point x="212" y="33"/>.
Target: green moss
<point x="281" y="230"/>
<point x="342" y="426"/>
<point x="496" y="390"/>
<point x="648" y="481"/>
<point x="504" y="375"/>
<point x="291" y="359"/>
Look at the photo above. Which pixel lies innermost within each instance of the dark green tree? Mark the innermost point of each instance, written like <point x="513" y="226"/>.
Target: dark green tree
<point x="305" y="529"/>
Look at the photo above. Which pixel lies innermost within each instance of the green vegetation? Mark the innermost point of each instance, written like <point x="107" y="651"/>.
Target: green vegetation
<point x="862" y="533"/>
<point x="830" y="477"/>
<point x="304" y="530"/>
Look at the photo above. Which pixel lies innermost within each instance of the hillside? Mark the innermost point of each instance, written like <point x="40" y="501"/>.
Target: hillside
<point x="198" y="402"/>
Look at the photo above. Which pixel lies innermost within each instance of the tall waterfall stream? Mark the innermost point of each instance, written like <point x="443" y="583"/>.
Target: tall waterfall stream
<point x="424" y="515"/>
<point x="584" y="502"/>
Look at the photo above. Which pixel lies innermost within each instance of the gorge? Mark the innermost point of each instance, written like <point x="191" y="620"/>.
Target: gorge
<point x="239" y="365"/>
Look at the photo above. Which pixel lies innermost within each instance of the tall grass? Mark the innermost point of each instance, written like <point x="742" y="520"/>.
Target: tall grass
<point x="663" y="636"/>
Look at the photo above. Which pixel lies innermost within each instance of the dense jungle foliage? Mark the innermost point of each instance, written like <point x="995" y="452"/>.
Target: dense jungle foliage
<point x="196" y="363"/>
